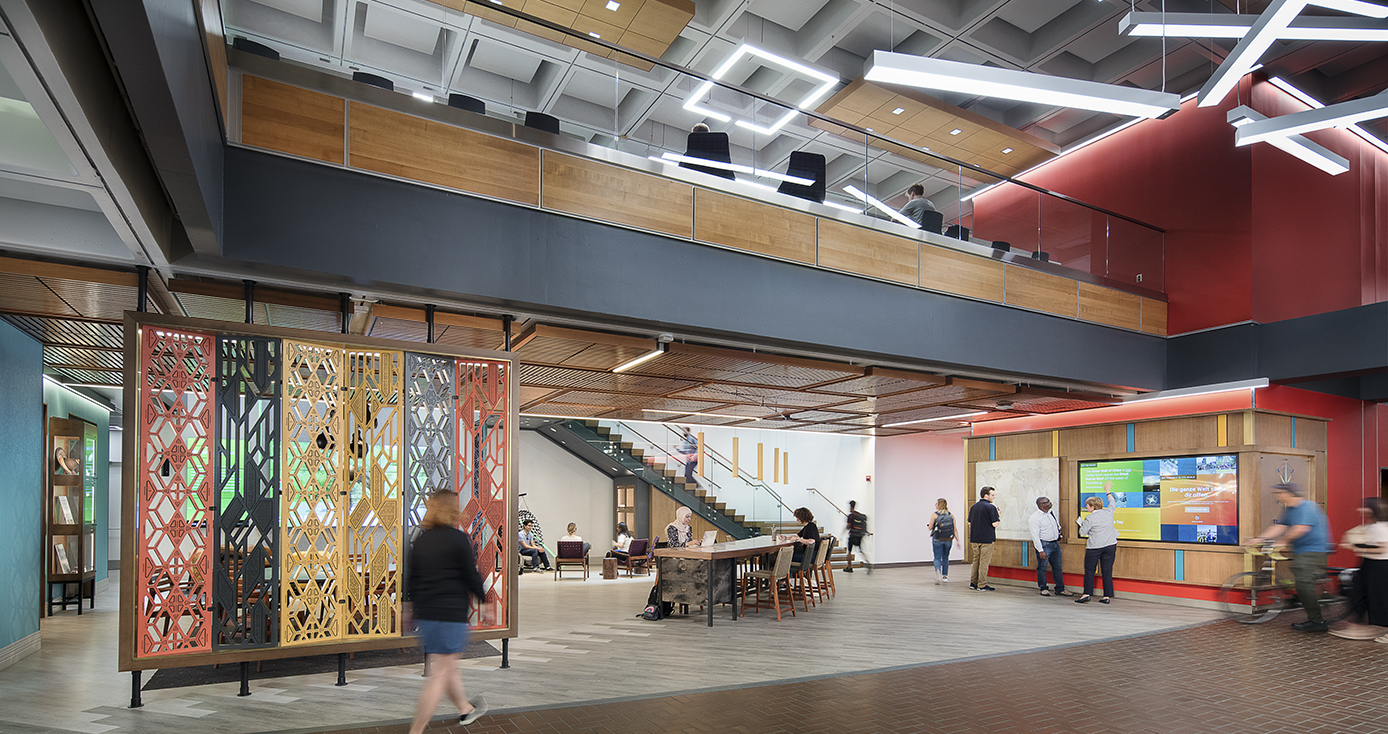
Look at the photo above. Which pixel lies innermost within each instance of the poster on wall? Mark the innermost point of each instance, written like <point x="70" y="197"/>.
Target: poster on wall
<point x="1017" y="484"/>
<point x="1182" y="499"/>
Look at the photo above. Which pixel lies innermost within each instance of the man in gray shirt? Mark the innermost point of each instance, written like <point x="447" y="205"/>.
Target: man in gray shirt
<point x="916" y="204"/>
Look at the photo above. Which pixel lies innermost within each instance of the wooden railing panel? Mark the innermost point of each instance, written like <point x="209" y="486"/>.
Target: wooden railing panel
<point x="618" y="195"/>
<point x="966" y="275"/>
<point x="1041" y="291"/>
<point x="867" y="252"/>
<point x="749" y="225"/>
<point x="412" y="147"/>
<point x="291" y="120"/>
<point x="1111" y="307"/>
<point x="1154" y="316"/>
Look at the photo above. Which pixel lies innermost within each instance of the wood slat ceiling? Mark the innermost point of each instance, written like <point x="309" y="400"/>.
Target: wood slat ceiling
<point x="553" y="345"/>
<point x="695" y="362"/>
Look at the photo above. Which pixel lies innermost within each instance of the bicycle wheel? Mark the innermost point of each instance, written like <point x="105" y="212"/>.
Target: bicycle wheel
<point x="1248" y="598"/>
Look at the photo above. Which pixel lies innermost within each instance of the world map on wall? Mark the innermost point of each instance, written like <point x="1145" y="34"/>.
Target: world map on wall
<point x="1017" y="484"/>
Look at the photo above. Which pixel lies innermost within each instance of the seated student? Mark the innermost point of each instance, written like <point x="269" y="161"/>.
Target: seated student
<point x="679" y="533"/>
<point x="808" y="535"/>
<point x="574" y="537"/>
<point x="917" y="205"/>
<point x="710" y="146"/>
<point x="531" y="549"/>
<point x="621" y="547"/>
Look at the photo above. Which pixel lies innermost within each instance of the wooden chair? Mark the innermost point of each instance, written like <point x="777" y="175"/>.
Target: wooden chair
<point x="803" y="575"/>
<point x="637" y="557"/>
<point x="825" y="568"/>
<point x="570" y="554"/>
<point x="818" y="584"/>
<point x="776" y="577"/>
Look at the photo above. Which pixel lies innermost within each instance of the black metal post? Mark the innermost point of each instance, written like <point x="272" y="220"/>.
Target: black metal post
<point x="506" y="327"/>
<point x="505" y="652"/>
<point x="341" y="669"/>
<point x="506" y="320"/>
<point x="345" y="304"/>
<point x="135" y="701"/>
<point x="245" y="679"/>
<point x="250" y="301"/>
<point x="429" y="319"/>
<point x="142" y="302"/>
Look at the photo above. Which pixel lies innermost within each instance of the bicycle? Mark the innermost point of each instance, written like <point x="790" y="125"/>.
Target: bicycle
<point x="1254" y="597"/>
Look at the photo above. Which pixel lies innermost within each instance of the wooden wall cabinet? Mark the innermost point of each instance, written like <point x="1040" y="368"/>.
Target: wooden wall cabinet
<point x="71" y="525"/>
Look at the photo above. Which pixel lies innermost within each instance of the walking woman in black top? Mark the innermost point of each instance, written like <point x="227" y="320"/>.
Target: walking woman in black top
<point x="442" y="575"/>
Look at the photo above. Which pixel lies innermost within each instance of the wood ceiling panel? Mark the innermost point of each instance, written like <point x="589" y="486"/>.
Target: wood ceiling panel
<point x="754" y="395"/>
<point x="92" y="358"/>
<point x="463" y="336"/>
<point x="691" y="361"/>
<point x="641" y="384"/>
<point x="389" y="328"/>
<point x="881" y="381"/>
<point x="660" y="21"/>
<point x="623" y="400"/>
<point x="821" y="415"/>
<point x="530" y="395"/>
<point x="773" y="424"/>
<point x="69" y="331"/>
<point x="1034" y="400"/>
<point x="880" y="432"/>
<point x="292" y="317"/>
<point x="693" y="418"/>
<point x="216" y="308"/>
<point x="90" y="377"/>
<point x="28" y="294"/>
<point x="553" y="345"/>
<point x="569" y="411"/>
<point x="543" y="375"/>
<point x="95" y="300"/>
<point x="927" y="122"/>
<point x="819" y="428"/>
<point x="957" y="390"/>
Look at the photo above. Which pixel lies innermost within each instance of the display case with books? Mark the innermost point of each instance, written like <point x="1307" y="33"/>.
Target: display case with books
<point x="71" y="566"/>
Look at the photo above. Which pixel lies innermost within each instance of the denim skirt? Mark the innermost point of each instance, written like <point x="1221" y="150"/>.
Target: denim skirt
<point x="442" y="638"/>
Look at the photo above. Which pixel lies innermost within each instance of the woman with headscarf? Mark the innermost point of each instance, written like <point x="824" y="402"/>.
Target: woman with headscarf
<point x="442" y="576"/>
<point x="680" y="533"/>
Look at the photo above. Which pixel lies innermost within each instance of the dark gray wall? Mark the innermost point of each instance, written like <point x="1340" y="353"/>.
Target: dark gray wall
<point x="309" y="218"/>
<point x="157" y="49"/>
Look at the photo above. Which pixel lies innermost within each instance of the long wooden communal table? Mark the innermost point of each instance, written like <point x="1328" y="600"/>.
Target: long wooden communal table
<point x="707" y="574"/>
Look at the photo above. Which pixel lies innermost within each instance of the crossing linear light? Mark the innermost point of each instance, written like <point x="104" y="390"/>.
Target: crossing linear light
<point x="1209" y="25"/>
<point x="1296" y="145"/>
<point x="1023" y="86"/>
<point x="1315" y="104"/>
<point x="1298" y="123"/>
<point x="826" y="83"/>
<point x="1266" y="30"/>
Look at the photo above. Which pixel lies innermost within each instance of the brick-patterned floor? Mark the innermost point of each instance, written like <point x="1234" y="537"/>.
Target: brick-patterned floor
<point x="1222" y="677"/>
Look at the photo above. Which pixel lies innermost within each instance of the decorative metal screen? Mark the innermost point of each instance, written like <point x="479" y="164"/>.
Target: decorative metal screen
<point x="247" y="469"/>
<point x="375" y="428"/>
<point x="483" y="409"/>
<point x="428" y="432"/>
<point x="175" y="493"/>
<point x="310" y="506"/>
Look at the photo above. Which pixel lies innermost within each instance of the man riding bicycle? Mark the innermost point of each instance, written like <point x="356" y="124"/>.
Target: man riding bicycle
<point x="1303" y="528"/>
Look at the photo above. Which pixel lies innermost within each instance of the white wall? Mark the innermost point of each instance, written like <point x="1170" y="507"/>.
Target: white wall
<point x="117" y="451"/>
<point x="560" y="489"/>
<point x="912" y="472"/>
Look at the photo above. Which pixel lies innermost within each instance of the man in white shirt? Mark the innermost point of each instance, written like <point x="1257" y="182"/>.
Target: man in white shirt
<point x="1045" y="537"/>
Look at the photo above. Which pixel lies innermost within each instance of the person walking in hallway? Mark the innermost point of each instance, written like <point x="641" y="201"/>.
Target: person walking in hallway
<point x="1045" y="537"/>
<point x="943" y="538"/>
<point x="442" y="577"/>
<point x="1303" y="528"/>
<point x="857" y="530"/>
<point x="983" y="533"/>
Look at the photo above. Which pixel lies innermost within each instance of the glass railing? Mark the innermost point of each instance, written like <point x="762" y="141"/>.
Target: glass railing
<point x="741" y="492"/>
<point x="776" y="119"/>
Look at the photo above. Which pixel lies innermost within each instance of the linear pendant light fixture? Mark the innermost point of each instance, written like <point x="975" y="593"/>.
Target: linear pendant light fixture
<point x="1208" y="25"/>
<point x="1272" y="25"/>
<point x="1315" y="104"/>
<point x="826" y="83"/>
<point x="648" y="356"/>
<point x="1298" y="123"/>
<point x="1296" y="145"/>
<point x="1023" y="86"/>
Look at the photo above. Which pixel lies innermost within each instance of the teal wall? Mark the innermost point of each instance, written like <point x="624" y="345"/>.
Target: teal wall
<point x="21" y="483"/>
<point x="62" y="403"/>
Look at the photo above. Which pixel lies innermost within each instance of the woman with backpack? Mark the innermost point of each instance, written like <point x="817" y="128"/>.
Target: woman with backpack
<point x="942" y="538"/>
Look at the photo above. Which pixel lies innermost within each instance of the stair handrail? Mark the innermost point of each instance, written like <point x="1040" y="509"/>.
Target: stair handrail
<point x="626" y="427"/>
<point x="739" y="473"/>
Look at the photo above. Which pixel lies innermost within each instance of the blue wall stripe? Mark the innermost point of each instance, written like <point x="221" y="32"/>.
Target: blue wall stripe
<point x="992" y="448"/>
<point x="1180" y="565"/>
<point x="1293" y="433"/>
<point x="1132" y="437"/>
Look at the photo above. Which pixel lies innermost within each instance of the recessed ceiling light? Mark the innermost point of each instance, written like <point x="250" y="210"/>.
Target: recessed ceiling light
<point x="898" y="110"/>
<point x="613" y="4"/>
<point x="594" y="35"/>
<point x="955" y="131"/>
<point x="1007" y="150"/>
<point x="496" y="2"/>
<point x="427" y="97"/>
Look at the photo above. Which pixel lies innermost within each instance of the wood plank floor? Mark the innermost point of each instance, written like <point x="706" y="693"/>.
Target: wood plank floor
<point x="580" y="643"/>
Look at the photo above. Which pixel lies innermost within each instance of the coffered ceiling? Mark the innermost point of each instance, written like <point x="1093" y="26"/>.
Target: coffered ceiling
<point x="434" y="46"/>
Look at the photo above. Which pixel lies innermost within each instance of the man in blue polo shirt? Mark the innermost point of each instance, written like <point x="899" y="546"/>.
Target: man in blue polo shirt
<point x="1303" y="528"/>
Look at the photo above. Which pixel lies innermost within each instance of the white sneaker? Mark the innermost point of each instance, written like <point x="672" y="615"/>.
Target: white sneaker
<point x="944" y="579"/>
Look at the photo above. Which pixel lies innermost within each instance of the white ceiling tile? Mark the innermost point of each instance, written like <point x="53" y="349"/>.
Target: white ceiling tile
<point x="504" y="60"/>
<point x="400" y="29"/>
<point x="306" y="9"/>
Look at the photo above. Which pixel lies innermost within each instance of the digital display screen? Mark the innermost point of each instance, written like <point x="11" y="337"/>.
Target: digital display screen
<point x="1179" y="499"/>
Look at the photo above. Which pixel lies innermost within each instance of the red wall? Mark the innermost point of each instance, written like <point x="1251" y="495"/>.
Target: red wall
<point x="1251" y="233"/>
